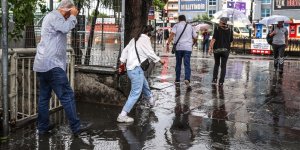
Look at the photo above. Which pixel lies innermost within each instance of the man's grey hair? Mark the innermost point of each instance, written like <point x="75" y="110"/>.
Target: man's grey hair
<point x="66" y="4"/>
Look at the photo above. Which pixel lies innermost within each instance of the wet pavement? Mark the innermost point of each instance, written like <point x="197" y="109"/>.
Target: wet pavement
<point x="255" y="109"/>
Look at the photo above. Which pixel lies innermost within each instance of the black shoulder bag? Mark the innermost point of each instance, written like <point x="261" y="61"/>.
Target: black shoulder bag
<point x="175" y="44"/>
<point x="145" y="64"/>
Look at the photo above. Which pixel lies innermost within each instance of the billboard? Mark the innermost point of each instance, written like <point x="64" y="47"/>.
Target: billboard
<point x="286" y="4"/>
<point x="241" y="6"/>
<point x="193" y="5"/>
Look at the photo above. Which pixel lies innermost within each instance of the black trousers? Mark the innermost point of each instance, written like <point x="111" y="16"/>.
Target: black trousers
<point x="278" y="56"/>
<point x="222" y="58"/>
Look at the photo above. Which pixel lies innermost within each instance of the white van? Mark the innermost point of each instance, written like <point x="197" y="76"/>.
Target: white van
<point x="240" y="30"/>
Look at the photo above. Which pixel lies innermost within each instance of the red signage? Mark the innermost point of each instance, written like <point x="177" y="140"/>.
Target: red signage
<point x="256" y="51"/>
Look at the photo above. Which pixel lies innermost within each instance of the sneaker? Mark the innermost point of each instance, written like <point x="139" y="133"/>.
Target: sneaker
<point x="187" y="83"/>
<point x="83" y="127"/>
<point x="125" y="119"/>
<point x="214" y="81"/>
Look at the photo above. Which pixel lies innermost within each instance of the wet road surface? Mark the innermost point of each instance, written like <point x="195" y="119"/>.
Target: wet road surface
<point x="255" y="109"/>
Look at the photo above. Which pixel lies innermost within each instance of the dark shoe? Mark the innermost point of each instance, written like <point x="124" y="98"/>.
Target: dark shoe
<point x="50" y="127"/>
<point x="214" y="81"/>
<point x="83" y="127"/>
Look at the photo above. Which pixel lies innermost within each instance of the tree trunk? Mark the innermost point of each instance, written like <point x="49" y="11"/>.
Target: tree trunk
<point x="91" y="37"/>
<point x="136" y="16"/>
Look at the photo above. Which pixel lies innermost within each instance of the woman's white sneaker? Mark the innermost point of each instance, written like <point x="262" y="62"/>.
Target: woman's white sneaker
<point x="125" y="119"/>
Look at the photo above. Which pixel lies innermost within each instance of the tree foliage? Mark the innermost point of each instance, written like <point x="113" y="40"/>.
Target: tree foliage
<point x="204" y="17"/>
<point x="21" y="13"/>
<point x="159" y="4"/>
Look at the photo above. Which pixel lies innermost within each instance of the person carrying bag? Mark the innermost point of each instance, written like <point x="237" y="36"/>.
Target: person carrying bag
<point x="185" y="37"/>
<point x="138" y="50"/>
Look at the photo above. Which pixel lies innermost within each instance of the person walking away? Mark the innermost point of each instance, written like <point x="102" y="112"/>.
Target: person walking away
<point x="50" y="65"/>
<point x="139" y="84"/>
<point x="220" y="46"/>
<point x="280" y="42"/>
<point x="166" y="34"/>
<point x="183" y="48"/>
<point x="205" y="43"/>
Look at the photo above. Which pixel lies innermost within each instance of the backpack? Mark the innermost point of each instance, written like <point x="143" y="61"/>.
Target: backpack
<point x="269" y="39"/>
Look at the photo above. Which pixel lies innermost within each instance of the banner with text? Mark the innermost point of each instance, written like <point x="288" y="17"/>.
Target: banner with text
<point x="260" y="46"/>
<point x="241" y="6"/>
<point x="193" y="5"/>
<point x="286" y="4"/>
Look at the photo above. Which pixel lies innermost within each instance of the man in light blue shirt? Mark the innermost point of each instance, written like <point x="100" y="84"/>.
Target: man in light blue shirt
<point x="184" y="48"/>
<point x="50" y="64"/>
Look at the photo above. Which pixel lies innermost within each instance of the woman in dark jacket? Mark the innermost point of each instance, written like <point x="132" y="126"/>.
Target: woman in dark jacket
<point x="220" y="46"/>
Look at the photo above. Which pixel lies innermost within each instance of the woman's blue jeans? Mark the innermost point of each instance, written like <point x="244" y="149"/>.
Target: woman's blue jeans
<point x="139" y="85"/>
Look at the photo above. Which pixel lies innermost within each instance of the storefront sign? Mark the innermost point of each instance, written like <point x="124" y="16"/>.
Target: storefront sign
<point x="286" y="4"/>
<point x="193" y="5"/>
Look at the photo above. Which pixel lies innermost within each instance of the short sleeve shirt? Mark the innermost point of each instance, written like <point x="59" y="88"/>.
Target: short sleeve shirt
<point x="279" y="37"/>
<point x="186" y="40"/>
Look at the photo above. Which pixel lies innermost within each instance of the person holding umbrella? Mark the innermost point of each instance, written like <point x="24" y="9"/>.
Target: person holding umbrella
<point x="220" y="46"/>
<point x="280" y="42"/>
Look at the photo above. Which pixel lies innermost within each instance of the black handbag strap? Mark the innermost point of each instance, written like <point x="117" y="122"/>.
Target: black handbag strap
<point x="136" y="50"/>
<point x="181" y="34"/>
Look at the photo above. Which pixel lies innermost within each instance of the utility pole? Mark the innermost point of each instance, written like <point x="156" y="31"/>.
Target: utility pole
<point x="51" y="5"/>
<point x="251" y="17"/>
<point x="5" y="124"/>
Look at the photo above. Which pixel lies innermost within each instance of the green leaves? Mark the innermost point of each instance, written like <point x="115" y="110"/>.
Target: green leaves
<point x="21" y="13"/>
<point x="159" y="4"/>
<point x="203" y="17"/>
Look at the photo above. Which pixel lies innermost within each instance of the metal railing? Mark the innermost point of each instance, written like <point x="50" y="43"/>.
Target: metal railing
<point x="24" y="87"/>
<point x="243" y="46"/>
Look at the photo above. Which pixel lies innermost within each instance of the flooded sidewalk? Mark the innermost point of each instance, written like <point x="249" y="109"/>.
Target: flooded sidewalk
<point x="255" y="109"/>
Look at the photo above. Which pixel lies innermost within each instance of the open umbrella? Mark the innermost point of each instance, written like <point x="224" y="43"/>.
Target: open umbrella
<point x="201" y="27"/>
<point x="274" y="19"/>
<point x="235" y="16"/>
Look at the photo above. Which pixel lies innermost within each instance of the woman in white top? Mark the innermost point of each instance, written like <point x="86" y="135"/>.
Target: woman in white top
<point x="139" y="84"/>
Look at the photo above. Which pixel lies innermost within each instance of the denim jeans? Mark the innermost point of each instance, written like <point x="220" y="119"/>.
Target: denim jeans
<point x="186" y="56"/>
<point x="205" y="46"/>
<point x="223" y="56"/>
<point x="56" y="80"/>
<point x="278" y="56"/>
<point x="139" y="85"/>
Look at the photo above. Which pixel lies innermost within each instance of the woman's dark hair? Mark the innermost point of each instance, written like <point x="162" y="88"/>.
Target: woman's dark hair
<point x="181" y="18"/>
<point x="145" y="30"/>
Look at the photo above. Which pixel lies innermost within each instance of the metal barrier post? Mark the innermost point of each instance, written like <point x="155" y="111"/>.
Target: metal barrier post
<point x="5" y="67"/>
<point x="13" y="89"/>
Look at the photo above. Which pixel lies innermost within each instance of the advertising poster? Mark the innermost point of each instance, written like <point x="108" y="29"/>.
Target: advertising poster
<point x="241" y="6"/>
<point x="260" y="46"/>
